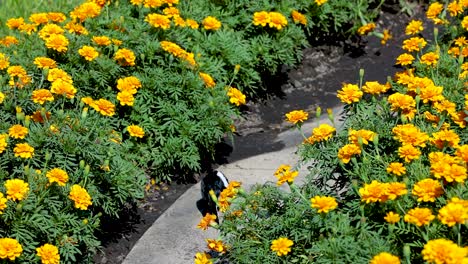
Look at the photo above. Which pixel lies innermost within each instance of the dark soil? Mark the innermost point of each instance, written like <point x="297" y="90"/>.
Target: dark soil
<point x="313" y="83"/>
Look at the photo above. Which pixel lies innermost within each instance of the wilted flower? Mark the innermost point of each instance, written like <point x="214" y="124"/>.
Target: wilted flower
<point x="365" y="29"/>
<point x="207" y="221"/>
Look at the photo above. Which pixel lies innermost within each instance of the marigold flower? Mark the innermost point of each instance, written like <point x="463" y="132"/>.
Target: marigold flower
<point x="443" y="251"/>
<point x="454" y="8"/>
<point x="445" y="138"/>
<point x="408" y="152"/>
<point x="297" y="116"/>
<point x="405" y="59"/>
<point x="207" y="221"/>
<point x="324" y="204"/>
<point x="284" y="174"/>
<point x="85" y="11"/>
<point x="125" y="98"/>
<point x="8" y="40"/>
<point x="57" y="42"/>
<point x="349" y="93"/>
<point x="104" y="107"/>
<point x="374" y="88"/>
<point x="59" y="74"/>
<point x="41" y="96"/>
<point x="28" y="28"/>
<point x="365" y="29"/>
<point x="56" y="17"/>
<point x="152" y="3"/>
<point x="374" y="192"/>
<point x="76" y="28"/>
<point x="207" y="79"/>
<point x="3" y="142"/>
<point x="445" y="105"/>
<point x="282" y="246"/>
<point x="453" y="213"/>
<point x="16" y="70"/>
<point x="277" y="20"/>
<point x="414" y="44"/>
<point x="408" y="134"/>
<point x="135" y="131"/>
<point x="18" y="131"/>
<point x="261" y="18"/>
<point x="362" y="135"/>
<point x="395" y="189"/>
<point x="462" y="152"/>
<point x="57" y="175"/>
<point x="88" y="52"/>
<point x="321" y="133"/>
<point x="392" y="218"/>
<point x="385" y="258"/>
<point x="15" y="23"/>
<point x="23" y="150"/>
<point x="211" y="23"/>
<point x="431" y="93"/>
<point x="320" y="2"/>
<point x="80" y="196"/>
<point x="192" y="23"/>
<point x="16" y="189"/>
<point x="102" y="40"/>
<point x="386" y="36"/>
<point x="49" y="254"/>
<point x="427" y="190"/>
<point x="202" y="258"/>
<point x="298" y="17"/>
<point x="216" y="245"/>
<point x="419" y="216"/>
<point x="3" y="203"/>
<point x="63" y="88"/>
<point x="158" y="21"/>
<point x="400" y="101"/>
<point x="125" y="57"/>
<point x="10" y="248"/>
<point x="236" y="96"/>
<point x="347" y="152"/>
<point x="430" y="58"/>
<point x="44" y="62"/>
<point x="396" y="168"/>
<point x="414" y="27"/>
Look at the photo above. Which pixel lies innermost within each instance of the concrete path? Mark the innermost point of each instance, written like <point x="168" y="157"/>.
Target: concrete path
<point x="174" y="238"/>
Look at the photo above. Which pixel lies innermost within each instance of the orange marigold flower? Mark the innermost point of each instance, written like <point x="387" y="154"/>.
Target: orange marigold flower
<point x="15" y="23"/>
<point x="207" y="79"/>
<point x="16" y="189"/>
<point x="76" y="28"/>
<point x="8" y="40"/>
<point x="405" y="59"/>
<point x="321" y="133"/>
<point x="408" y="152"/>
<point x="444" y="251"/>
<point x="462" y="152"/>
<point x="261" y="18"/>
<point x="63" y="88"/>
<point x="18" y="131"/>
<point x="385" y="258"/>
<point x="41" y="96"/>
<point x="386" y="36"/>
<point x="57" y="42"/>
<point x="104" y="107"/>
<point x="282" y="246"/>
<point x="453" y="213"/>
<point x="3" y="142"/>
<point x="419" y="216"/>
<point x="434" y="10"/>
<point x="347" y="152"/>
<point x="3" y="203"/>
<point x="445" y="138"/>
<point x="102" y="40"/>
<point x="57" y="175"/>
<point x="58" y="74"/>
<point x="408" y="134"/>
<point x="23" y="150"/>
<point x="454" y="8"/>
<point x="375" y="88"/>
<point x="427" y="190"/>
<point x="125" y="98"/>
<point x="430" y="58"/>
<point x="414" y="44"/>
<point x="284" y="174"/>
<point x="400" y="101"/>
<point x="297" y="116"/>
<point x="135" y="131"/>
<point x="392" y="218"/>
<point x="445" y="105"/>
<point x="56" y="17"/>
<point x="277" y="20"/>
<point x="171" y="12"/>
<point x="350" y="93"/>
<point x="374" y="192"/>
<point x="192" y="23"/>
<point x="211" y="23"/>
<point x="236" y="96"/>
<point x="414" y="27"/>
<point x="365" y="29"/>
<point x="396" y="168"/>
<point x="152" y="3"/>
<point x="85" y="11"/>
<point x="44" y="62"/>
<point x="298" y="17"/>
<point x="323" y="204"/>
<point x="10" y="248"/>
<point x="125" y="57"/>
<point x="88" y="52"/>
<point x="158" y="21"/>
<point x="202" y="258"/>
<point x="16" y="70"/>
<point x="39" y="18"/>
<point x="216" y="245"/>
<point x="361" y="136"/>
<point x="207" y="221"/>
<point x="395" y="189"/>
<point x="80" y="196"/>
<point x="49" y="254"/>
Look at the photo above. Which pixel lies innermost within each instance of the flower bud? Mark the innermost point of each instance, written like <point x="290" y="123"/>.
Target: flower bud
<point x="407" y="251"/>
<point x="82" y="164"/>
<point x="27" y="121"/>
<point x="86" y="170"/>
<point x="318" y="112"/>
<point x="236" y="68"/>
<point x="84" y="113"/>
<point x="48" y="156"/>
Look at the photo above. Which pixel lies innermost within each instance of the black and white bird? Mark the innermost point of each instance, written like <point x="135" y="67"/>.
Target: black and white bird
<point x="216" y="181"/>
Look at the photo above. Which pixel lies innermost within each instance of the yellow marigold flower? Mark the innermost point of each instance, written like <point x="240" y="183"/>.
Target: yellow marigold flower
<point x="58" y="74"/>
<point x="444" y="251"/>
<point x="454" y="8"/>
<point x="211" y="23"/>
<point x="362" y="135"/>
<point x="10" y="248"/>
<point x="400" y="101"/>
<point x="49" y="254"/>
<point x="45" y="63"/>
<point x="202" y="258"/>
<point x="76" y="28"/>
<point x="320" y="2"/>
<point x="392" y="218"/>
<point x="396" y="168"/>
<point x="80" y="196"/>
<point x="386" y="36"/>
<point x="282" y="246"/>
<point x="3" y="142"/>
<point x="461" y="41"/>
<point x="284" y="174"/>
<point x="431" y="93"/>
<point x="128" y="84"/>
<point x="453" y="213"/>
<point x="385" y="258"/>
<point x="374" y="192"/>
<point x="41" y="96"/>
<point x="427" y="190"/>
<point x="462" y="152"/>
<point x="4" y="61"/>
<point x="408" y="134"/>
<point x="136" y="2"/>
<point x="15" y="23"/>
<point x="87" y="100"/>
<point x="298" y="17"/>
<point x="135" y="131"/>
<point x="296" y="116"/>
<point x="16" y="189"/>
<point x="414" y="44"/>
<point x="419" y="216"/>
<point x="405" y="59"/>
<point x="192" y="23"/>
<point x="125" y="98"/>
<point x="50" y="29"/>
<point x="445" y="105"/>
<point x="104" y="107"/>
<point x="102" y="40"/>
<point x="408" y="152"/>
<point x="347" y="152"/>
<point x="430" y="58"/>
<point x="23" y="150"/>
<point x="179" y="21"/>
<point x="321" y="133"/>
<point x="88" y="52"/>
<point x="207" y="221"/>
<point x="153" y="3"/>
<point x="85" y="11"/>
<point x="125" y="57"/>
<point x="434" y="10"/>
<point x="375" y="88"/>
<point x="3" y="203"/>
<point x="57" y="42"/>
<point x="158" y="21"/>
<point x="56" y="17"/>
<point x="395" y="189"/>
<point x="28" y="28"/>
<point x="18" y="131"/>
<point x="414" y="27"/>
<point x="172" y="48"/>
<point x="236" y="96"/>
<point x="324" y="204"/>
<point x="365" y="29"/>
<point x="261" y="18"/>
<point x="8" y="40"/>
<point x="171" y="12"/>
<point x="57" y="175"/>
<point x="350" y="93"/>
<point x="2" y="97"/>
<point x="216" y="245"/>
<point x="445" y="138"/>
<point x="277" y="20"/>
<point x="171" y="2"/>
<point x="63" y="88"/>
<point x="16" y="70"/>
<point x="207" y="79"/>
